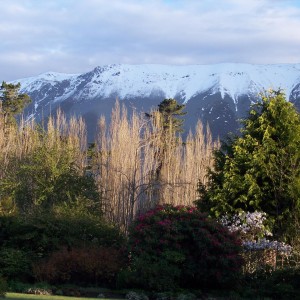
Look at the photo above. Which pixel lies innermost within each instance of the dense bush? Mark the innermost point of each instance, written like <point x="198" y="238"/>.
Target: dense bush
<point x="278" y="284"/>
<point x="3" y="287"/>
<point x="15" y="263"/>
<point x="37" y="237"/>
<point x="180" y="247"/>
<point x="88" y="265"/>
<point x="45" y="233"/>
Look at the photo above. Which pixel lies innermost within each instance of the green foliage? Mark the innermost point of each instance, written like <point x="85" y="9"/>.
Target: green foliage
<point x="47" y="180"/>
<point x="175" y="247"/>
<point x="46" y="233"/>
<point x="278" y="284"/>
<point x="37" y="237"/>
<point x="168" y="115"/>
<point x="151" y="274"/>
<point x="170" y="110"/>
<point x="17" y="286"/>
<point x="3" y="287"/>
<point x="14" y="263"/>
<point x="11" y="101"/>
<point x="259" y="170"/>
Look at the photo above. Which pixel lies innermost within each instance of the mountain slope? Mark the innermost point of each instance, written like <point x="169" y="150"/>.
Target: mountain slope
<point x="217" y="94"/>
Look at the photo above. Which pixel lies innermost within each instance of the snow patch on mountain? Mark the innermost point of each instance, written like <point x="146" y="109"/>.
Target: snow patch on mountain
<point x="31" y="83"/>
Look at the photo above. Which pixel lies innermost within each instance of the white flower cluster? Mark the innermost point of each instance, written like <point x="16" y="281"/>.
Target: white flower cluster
<point x="264" y="244"/>
<point x="253" y="232"/>
<point x="250" y="225"/>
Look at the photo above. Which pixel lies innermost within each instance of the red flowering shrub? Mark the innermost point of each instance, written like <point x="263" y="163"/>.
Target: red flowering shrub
<point x="180" y="247"/>
<point x="89" y="265"/>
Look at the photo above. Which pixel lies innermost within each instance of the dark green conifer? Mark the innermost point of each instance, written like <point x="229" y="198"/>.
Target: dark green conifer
<point x="170" y="112"/>
<point x="260" y="169"/>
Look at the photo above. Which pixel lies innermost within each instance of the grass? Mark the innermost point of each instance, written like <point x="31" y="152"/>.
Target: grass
<point x="17" y="296"/>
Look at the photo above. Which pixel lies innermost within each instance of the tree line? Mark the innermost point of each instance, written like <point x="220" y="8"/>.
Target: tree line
<point x="141" y="160"/>
<point x="135" y="162"/>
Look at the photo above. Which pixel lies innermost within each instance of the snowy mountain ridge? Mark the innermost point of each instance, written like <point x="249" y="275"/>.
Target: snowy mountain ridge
<point x="233" y="86"/>
<point x="133" y="80"/>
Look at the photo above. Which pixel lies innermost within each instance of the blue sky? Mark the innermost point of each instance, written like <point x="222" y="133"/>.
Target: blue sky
<point x="74" y="36"/>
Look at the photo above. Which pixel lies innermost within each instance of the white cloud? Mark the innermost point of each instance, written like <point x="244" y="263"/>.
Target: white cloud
<point x="75" y="35"/>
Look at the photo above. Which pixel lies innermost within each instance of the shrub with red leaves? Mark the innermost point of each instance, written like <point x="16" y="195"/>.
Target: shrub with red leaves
<point x="88" y="265"/>
<point x="179" y="246"/>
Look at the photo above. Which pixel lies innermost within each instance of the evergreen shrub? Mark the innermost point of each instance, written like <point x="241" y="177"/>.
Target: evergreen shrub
<point x="15" y="263"/>
<point x="28" y="241"/>
<point x="3" y="287"/>
<point x="179" y="247"/>
<point x="277" y="284"/>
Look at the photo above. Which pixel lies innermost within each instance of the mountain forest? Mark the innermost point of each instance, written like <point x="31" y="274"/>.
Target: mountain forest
<point x="145" y="211"/>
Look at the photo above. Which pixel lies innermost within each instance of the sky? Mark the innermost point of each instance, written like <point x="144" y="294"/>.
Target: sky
<point x="75" y="36"/>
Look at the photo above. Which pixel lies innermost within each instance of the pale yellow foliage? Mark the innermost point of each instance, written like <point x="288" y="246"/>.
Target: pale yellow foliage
<point x="129" y="153"/>
<point x="135" y="163"/>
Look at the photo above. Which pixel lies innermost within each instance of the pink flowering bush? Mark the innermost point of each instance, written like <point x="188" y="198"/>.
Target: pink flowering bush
<point x="177" y="246"/>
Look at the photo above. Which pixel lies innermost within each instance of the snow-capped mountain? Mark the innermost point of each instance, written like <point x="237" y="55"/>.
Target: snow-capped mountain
<point x="218" y="94"/>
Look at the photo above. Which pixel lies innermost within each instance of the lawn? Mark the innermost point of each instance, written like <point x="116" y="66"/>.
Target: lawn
<point x="17" y="296"/>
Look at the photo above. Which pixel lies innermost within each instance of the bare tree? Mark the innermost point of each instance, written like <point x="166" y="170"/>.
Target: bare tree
<point x="128" y="156"/>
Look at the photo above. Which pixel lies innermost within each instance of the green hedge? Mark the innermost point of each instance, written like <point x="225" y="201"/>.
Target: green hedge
<point x="26" y="241"/>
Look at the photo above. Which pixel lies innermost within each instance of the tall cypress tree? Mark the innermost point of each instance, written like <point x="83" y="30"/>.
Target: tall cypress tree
<point x="260" y="169"/>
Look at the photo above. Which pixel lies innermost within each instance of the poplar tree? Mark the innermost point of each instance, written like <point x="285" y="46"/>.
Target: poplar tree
<point x="168" y="123"/>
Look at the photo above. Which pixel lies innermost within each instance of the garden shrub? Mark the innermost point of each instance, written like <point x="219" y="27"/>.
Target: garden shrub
<point x="15" y="263"/>
<point x="17" y="286"/>
<point x="38" y="237"/>
<point x="277" y="284"/>
<point x="179" y="246"/>
<point x="87" y="265"/>
<point x="3" y="287"/>
<point x="44" y="234"/>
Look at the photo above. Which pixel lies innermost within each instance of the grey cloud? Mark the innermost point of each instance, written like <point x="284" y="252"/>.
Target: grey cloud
<point x="74" y="36"/>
